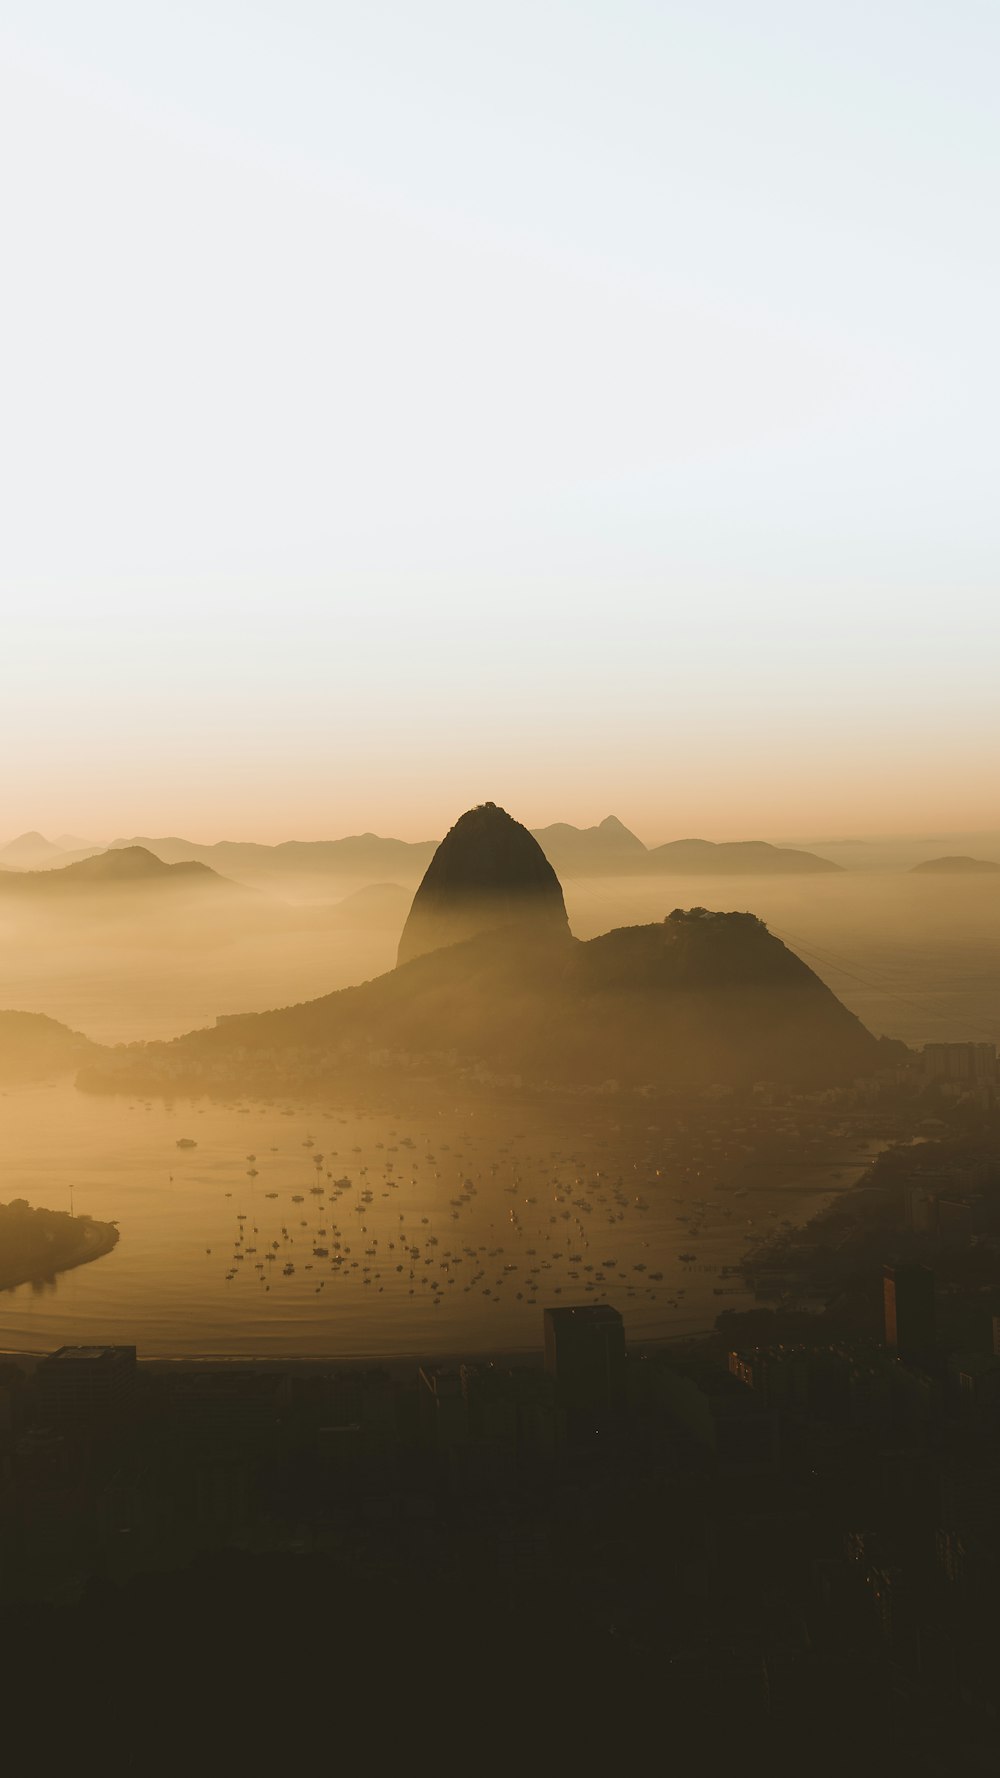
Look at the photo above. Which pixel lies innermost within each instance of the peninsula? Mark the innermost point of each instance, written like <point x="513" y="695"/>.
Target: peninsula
<point x="36" y="1244"/>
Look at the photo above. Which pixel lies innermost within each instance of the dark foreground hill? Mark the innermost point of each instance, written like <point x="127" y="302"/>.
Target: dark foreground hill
<point x="700" y="998"/>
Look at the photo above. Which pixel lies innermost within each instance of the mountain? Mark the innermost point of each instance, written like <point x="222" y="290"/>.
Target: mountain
<point x="955" y="867"/>
<point x="694" y="1000"/>
<point x="734" y="858"/>
<point x="359" y="858"/>
<point x="28" y="851"/>
<point x="488" y="872"/>
<point x="133" y="865"/>
<point x="379" y="907"/>
<point x="607" y="850"/>
<point x="33" y="1047"/>
<point x="610" y="849"/>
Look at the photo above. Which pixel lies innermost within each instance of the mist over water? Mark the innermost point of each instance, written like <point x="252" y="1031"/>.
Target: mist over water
<point x="450" y="1222"/>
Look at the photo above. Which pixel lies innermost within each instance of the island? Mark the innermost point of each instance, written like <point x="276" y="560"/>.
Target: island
<point x="35" y="1244"/>
<point x="956" y="866"/>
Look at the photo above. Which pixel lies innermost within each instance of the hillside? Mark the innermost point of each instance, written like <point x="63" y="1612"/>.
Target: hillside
<point x="34" y="1047"/>
<point x="378" y="907"/>
<point x="28" y="851"/>
<point x="698" y="998"/>
<point x="132" y="866"/>
<point x="958" y="866"/>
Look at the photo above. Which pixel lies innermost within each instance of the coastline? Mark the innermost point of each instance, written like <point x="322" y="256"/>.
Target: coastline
<point x="98" y="1238"/>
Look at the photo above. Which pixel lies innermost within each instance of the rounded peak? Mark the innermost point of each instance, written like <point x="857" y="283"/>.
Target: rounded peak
<point x="486" y="845"/>
<point x="29" y="848"/>
<point x="488" y="872"/>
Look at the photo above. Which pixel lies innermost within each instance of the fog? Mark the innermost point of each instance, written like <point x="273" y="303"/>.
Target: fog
<point x="916" y="957"/>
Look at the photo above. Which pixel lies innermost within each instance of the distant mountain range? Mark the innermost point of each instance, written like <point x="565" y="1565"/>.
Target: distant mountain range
<point x="609" y="849"/>
<point x="491" y="984"/>
<point x="132" y="866"/>
<point x="734" y="858"/>
<point x="491" y="987"/>
<point x="32" y="851"/>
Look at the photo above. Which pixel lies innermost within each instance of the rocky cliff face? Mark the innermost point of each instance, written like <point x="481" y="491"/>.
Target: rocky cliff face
<point x="488" y="873"/>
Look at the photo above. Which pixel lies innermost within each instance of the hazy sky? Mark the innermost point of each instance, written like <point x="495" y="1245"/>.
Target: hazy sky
<point x="589" y="406"/>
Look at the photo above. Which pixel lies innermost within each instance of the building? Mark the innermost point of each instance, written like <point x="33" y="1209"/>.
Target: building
<point x="921" y="1209"/>
<point x="908" y="1303"/>
<point x="585" y="1357"/>
<point x="957" y="1221"/>
<point x="444" y="1418"/>
<point x="85" y="1382"/>
<point x="969" y="1064"/>
<point x="779" y="1375"/>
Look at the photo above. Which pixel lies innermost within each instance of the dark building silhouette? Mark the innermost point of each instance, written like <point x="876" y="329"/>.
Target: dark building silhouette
<point x="585" y="1355"/>
<point x="966" y="1062"/>
<point x="85" y="1382"/>
<point x="443" y="1414"/>
<point x="908" y="1302"/>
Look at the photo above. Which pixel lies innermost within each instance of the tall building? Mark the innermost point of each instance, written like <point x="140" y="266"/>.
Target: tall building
<point x="585" y="1355"/>
<point x="444" y="1417"/>
<point x="973" y="1063"/>
<point x="908" y="1302"/>
<point x="85" y="1382"/>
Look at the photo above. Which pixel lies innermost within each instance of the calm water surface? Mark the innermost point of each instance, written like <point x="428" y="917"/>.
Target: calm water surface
<point x="443" y="1235"/>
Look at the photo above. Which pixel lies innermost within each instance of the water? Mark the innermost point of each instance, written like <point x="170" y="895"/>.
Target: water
<point x="465" y="1237"/>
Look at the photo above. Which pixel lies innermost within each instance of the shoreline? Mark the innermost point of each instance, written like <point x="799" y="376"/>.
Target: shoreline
<point x="99" y="1238"/>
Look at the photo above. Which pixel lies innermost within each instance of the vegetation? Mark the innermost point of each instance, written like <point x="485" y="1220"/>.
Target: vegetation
<point x="35" y="1244"/>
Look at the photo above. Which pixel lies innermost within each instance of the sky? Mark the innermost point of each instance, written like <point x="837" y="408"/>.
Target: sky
<point x="587" y="406"/>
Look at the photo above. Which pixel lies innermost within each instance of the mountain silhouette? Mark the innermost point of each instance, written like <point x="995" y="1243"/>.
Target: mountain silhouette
<point x="491" y="984"/>
<point x="955" y="867"/>
<point x="132" y="865"/>
<point x="488" y="873"/>
<point x="358" y="858"/>
<point x="733" y="858"/>
<point x="697" y="999"/>
<point x="28" y="850"/>
<point x="379" y="907"/>
<point x="33" y="1046"/>
<point x="609" y="849"/>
